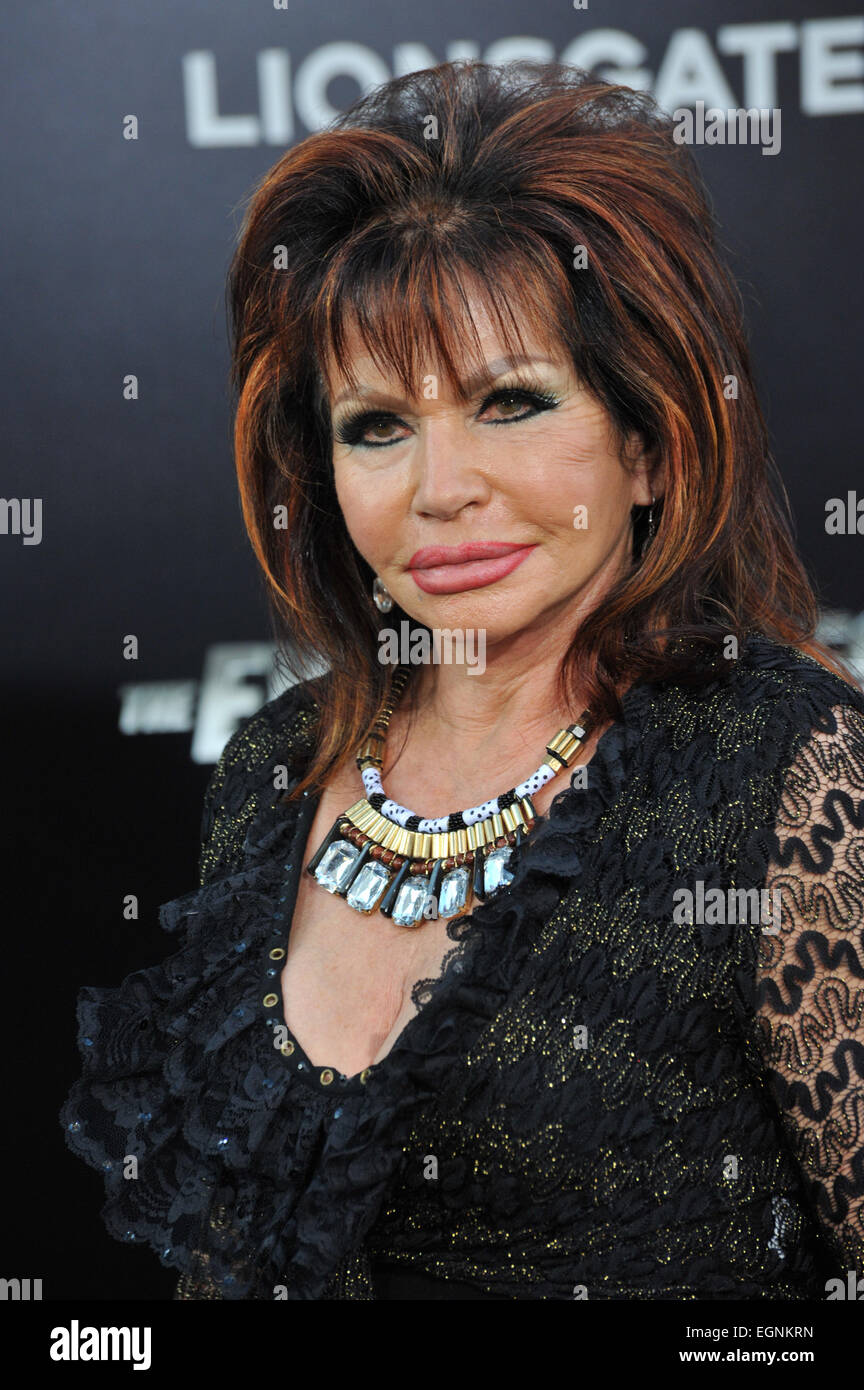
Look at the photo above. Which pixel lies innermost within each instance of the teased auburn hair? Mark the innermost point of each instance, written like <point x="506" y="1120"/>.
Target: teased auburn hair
<point x="473" y="176"/>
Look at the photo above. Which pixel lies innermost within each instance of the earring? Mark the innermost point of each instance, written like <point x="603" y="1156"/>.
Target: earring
<point x="380" y="597"/>
<point x="650" y="536"/>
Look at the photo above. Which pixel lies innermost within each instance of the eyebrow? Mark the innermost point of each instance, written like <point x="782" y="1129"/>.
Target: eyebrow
<point x="494" y="369"/>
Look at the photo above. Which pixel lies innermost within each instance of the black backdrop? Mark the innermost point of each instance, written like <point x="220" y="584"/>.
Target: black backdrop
<point x="115" y="261"/>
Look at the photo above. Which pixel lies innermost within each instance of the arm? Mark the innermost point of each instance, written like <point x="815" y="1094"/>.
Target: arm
<point x="811" y="977"/>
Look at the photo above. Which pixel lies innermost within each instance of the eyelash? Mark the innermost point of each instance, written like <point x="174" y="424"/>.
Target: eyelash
<point x="351" y="430"/>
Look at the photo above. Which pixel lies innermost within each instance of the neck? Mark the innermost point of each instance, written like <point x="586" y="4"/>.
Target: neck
<point x="487" y="719"/>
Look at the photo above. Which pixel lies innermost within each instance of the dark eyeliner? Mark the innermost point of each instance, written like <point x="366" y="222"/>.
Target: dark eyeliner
<point x="351" y="429"/>
<point x="531" y="392"/>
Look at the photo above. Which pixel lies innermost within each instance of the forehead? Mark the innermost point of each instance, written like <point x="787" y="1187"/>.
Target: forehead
<point x="480" y="346"/>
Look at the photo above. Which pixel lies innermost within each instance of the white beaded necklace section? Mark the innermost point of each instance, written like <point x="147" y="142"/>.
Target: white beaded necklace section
<point x="436" y="825"/>
<point x="382" y="856"/>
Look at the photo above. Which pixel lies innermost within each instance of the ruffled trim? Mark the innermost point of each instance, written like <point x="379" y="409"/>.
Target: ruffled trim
<point x="176" y="1081"/>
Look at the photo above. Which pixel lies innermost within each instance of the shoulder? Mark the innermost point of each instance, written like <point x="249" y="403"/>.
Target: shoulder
<point x="283" y="726"/>
<point x="777" y="669"/>
<point x="733" y="749"/>
<point x="279" y="734"/>
<point x="805" y="711"/>
<point x="810" y="750"/>
<point x="770" y="699"/>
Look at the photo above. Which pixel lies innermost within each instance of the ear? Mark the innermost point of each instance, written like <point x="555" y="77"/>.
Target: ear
<point x="646" y="469"/>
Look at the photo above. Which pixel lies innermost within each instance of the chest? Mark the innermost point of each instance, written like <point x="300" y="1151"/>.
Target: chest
<point x="348" y="977"/>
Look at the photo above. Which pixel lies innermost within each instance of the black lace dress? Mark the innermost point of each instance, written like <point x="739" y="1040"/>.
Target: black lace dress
<point x="604" y="1095"/>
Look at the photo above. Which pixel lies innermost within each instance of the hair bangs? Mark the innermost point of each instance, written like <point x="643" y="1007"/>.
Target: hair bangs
<point x="414" y="306"/>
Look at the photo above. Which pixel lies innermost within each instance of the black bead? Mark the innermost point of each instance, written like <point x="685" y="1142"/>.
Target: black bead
<point x="391" y="892"/>
<point x="477" y="877"/>
<point x="433" y="886"/>
<point x="332" y="834"/>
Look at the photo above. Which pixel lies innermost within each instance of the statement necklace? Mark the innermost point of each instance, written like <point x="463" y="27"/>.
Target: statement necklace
<point x="380" y="855"/>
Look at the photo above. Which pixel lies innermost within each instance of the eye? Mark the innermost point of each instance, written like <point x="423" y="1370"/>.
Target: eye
<point x="354" y="429"/>
<point x="529" y="401"/>
<point x="508" y="397"/>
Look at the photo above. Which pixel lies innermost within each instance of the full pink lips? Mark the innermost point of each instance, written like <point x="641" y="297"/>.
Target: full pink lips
<point x="495" y="561"/>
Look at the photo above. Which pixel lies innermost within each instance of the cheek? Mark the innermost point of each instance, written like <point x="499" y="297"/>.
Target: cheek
<point x="565" y="453"/>
<point x="548" y="491"/>
<point x="367" y="505"/>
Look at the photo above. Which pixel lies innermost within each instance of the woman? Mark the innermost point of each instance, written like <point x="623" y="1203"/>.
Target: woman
<point x="540" y="980"/>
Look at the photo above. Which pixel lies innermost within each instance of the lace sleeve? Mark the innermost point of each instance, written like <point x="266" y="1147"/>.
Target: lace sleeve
<point x="810" y="1005"/>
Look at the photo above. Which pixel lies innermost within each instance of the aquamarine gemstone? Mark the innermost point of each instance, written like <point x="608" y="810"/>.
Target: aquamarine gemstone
<point x="451" y="898"/>
<point x="335" y="868"/>
<point x="496" y="874"/>
<point x="410" y="902"/>
<point x="368" y="886"/>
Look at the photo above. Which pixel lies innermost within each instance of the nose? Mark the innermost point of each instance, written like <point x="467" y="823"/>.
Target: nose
<point x="450" y="468"/>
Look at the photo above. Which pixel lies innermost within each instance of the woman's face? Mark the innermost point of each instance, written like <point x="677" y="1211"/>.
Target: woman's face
<point x="535" y="480"/>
